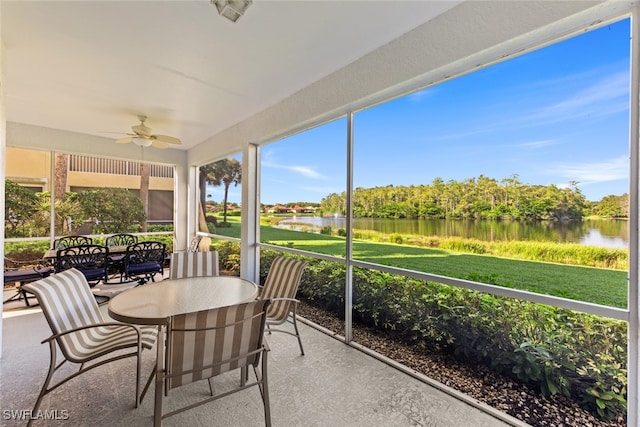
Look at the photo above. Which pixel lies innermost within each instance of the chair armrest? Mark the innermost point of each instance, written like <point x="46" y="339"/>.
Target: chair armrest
<point x="43" y="270"/>
<point x="293" y="300"/>
<point x="15" y="265"/>
<point x="61" y="334"/>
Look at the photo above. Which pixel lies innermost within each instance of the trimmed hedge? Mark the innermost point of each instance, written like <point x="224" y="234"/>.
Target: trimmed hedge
<point x="554" y="350"/>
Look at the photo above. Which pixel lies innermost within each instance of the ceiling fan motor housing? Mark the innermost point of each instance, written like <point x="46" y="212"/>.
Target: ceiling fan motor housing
<point x="141" y="129"/>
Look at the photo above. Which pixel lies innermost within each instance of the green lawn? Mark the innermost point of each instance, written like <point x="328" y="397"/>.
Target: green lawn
<point x="595" y="285"/>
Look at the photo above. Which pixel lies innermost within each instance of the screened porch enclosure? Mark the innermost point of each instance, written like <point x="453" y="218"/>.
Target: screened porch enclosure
<point x="352" y="276"/>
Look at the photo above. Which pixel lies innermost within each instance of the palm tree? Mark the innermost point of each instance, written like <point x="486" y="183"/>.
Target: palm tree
<point x="223" y="172"/>
<point x="144" y="192"/>
<point x="61" y="173"/>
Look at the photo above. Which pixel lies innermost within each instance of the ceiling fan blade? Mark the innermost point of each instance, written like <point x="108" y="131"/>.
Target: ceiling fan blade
<point x="124" y="140"/>
<point x="159" y="144"/>
<point x="167" y="139"/>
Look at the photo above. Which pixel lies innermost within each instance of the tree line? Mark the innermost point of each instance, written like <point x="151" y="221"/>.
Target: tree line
<point x="477" y="198"/>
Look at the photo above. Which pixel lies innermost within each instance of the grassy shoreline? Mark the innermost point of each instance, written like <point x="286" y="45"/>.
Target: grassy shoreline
<point x="595" y="275"/>
<point x="591" y="274"/>
<point x="585" y="283"/>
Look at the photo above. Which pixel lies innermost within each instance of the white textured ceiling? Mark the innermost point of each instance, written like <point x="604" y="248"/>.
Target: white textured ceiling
<point x="92" y="67"/>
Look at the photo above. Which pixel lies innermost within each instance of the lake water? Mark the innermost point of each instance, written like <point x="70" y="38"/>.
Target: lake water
<point x="606" y="233"/>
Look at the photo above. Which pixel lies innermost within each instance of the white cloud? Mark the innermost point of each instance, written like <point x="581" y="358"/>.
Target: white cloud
<point x="306" y="171"/>
<point x="606" y="96"/>
<point x="537" y="144"/>
<point x="591" y="173"/>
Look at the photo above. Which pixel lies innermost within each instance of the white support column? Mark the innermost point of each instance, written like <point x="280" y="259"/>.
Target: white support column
<point x="183" y="185"/>
<point x="348" y="297"/>
<point x="193" y="198"/>
<point x="250" y="227"/>
<point x="633" y="402"/>
<point x="52" y="195"/>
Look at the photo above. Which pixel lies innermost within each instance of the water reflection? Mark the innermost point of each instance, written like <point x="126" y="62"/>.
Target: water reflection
<point x="595" y="238"/>
<point x="605" y="233"/>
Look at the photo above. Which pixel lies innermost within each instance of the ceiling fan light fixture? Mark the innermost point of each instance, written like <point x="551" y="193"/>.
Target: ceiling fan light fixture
<point x="232" y="9"/>
<point x="142" y="142"/>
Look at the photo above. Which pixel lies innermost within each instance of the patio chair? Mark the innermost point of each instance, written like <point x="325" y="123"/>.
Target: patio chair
<point x="90" y="260"/>
<point x="208" y="343"/>
<point x="67" y="241"/>
<point x="116" y="261"/>
<point x="121" y="240"/>
<point x="280" y="287"/>
<point x="80" y="331"/>
<point x="194" y="244"/>
<point x="21" y="273"/>
<point x="143" y="260"/>
<point x="193" y="264"/>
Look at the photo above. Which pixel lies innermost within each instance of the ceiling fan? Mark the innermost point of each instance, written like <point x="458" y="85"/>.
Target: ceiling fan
<point x="142" y="136"/>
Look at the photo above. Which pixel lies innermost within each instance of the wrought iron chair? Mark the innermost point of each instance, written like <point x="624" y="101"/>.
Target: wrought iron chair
<point x="208" y="343"/>
<point x="117" y="261"/>
<point x="90" y="260"/>
<point x="193" y="264"/>
<point x="80" y="331"/>
<point x="67" y="241"/>
<point x="281" y="287"/>
<point x="143" y="260"/>
<point x="121" y="240"/>
<point x="21" y="273"/>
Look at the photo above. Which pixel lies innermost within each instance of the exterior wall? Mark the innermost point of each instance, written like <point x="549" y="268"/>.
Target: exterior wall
<point x="34" y="166"/>
<point x="93" y="180"/>
<point x="28" y="167"/>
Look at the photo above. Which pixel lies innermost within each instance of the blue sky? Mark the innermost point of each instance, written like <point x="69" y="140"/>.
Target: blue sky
<point x="552" y="116"/>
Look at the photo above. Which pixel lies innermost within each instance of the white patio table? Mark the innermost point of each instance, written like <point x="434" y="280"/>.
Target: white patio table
<point x="155" y="303"/>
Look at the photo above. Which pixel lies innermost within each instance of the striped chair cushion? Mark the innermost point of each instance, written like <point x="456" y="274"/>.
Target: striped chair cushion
<point x="193" y="264"/>
<point x="204" y="344"/>
<point x="67" y="303"/>
<point x="282" y="282"/>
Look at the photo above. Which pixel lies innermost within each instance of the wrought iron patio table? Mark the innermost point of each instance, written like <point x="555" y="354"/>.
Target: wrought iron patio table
<point x="51" y="254"/>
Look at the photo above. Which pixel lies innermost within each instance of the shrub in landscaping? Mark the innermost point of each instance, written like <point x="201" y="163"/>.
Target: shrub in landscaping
<point x="464" y="245"/>
<point x="396" y="238"/>
<point x="20" y="203"/>
<point x="155" y="228"/>
<point x="555" y="351"/>
<point x="26" y="251"/>
<point x="326" y="230"/>
<point x="112" y="210"/>
<point x="228" y="255"/>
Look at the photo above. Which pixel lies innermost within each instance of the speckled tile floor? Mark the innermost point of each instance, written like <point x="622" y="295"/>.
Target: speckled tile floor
<point x="332" y="385"/>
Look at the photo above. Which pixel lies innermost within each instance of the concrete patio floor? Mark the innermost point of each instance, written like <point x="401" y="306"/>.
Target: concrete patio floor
<point x="332" y="385"/>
